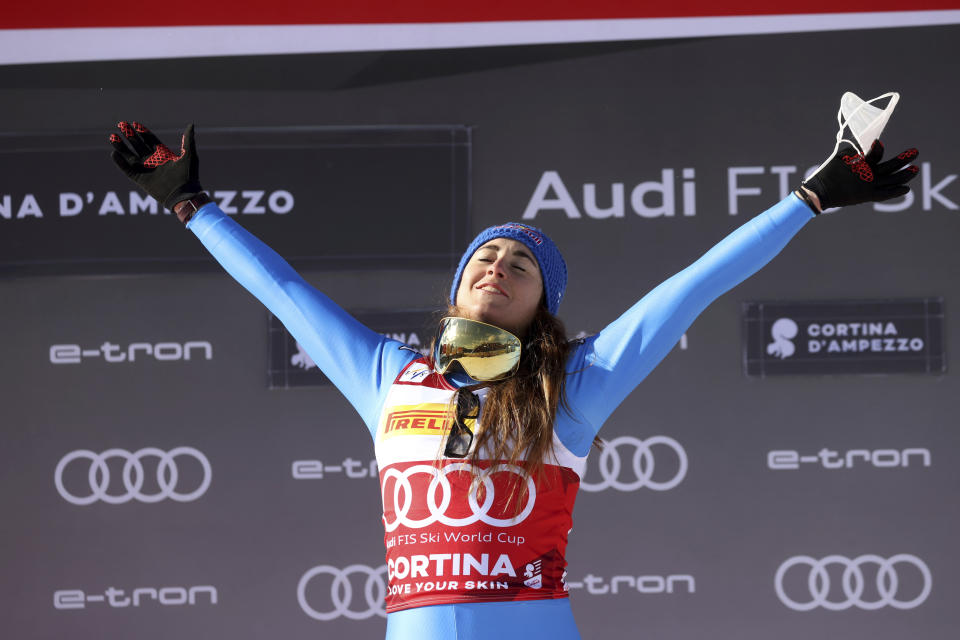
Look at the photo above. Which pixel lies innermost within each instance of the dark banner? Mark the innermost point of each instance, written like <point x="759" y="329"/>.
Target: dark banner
<point x="323" y="197"/>
<point x="891" y="336"/>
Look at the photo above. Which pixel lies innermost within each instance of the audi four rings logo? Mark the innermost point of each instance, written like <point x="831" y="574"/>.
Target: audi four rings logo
<point x="438" y="479"/>
<point x="642" y="464"/>
<point x="342" y="593"/>
<point x="853" y="582"/>
<point x="98" y="476"/>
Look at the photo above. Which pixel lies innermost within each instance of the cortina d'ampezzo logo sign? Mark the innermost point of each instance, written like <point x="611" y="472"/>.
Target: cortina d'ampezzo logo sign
<point x="888" y="336"/>
<point x="783" y="331"/>
<point x="73" y="218"/>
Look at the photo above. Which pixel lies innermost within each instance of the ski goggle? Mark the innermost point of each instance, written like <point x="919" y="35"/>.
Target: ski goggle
<point x="485" y="352"/>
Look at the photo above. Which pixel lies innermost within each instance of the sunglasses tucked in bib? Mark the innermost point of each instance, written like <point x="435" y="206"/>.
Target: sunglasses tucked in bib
<point x="450" y="539"/>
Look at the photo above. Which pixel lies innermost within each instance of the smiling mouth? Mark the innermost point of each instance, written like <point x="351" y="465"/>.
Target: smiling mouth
<point x="492" y="288"/>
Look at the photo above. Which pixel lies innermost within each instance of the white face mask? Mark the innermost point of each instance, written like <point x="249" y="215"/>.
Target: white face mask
<point x="864" y="121"/>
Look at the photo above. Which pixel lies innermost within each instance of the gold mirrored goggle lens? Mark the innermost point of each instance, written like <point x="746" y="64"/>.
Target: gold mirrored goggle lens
<point x="484" y="351"/>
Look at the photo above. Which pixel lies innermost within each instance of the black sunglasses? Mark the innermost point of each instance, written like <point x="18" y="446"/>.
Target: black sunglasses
<point x="461" y="437"/>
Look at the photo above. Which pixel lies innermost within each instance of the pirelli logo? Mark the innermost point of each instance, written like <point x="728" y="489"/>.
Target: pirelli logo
<point x="422" y="419"/>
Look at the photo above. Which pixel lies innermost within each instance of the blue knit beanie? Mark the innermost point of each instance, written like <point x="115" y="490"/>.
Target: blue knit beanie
<point x="552" y="267"/>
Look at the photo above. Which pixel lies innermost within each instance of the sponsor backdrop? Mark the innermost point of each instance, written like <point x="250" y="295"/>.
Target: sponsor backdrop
<point x="174" y="466"/>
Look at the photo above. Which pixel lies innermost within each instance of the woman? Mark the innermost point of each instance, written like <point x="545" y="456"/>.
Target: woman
<point x="482" y="444"/>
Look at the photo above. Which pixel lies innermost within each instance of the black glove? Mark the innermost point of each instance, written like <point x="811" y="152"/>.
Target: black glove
<point x="850" y="178"/>
<point x="168" y="177"/>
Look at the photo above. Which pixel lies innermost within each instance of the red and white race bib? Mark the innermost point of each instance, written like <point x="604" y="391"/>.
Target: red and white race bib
<point x="458" y="534"/>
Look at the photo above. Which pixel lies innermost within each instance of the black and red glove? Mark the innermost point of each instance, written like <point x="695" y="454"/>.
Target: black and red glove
<point x="161" y="173"/>
<point x="851" y="178"/>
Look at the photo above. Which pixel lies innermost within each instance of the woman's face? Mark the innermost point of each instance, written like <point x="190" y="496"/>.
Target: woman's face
<point x="501" y="285"/>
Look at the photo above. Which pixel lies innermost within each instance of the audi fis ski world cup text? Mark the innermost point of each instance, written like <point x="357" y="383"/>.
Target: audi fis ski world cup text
<point x="453" y="536"/>
<point x="748" y="186"/>
<point x="675" y="193"/>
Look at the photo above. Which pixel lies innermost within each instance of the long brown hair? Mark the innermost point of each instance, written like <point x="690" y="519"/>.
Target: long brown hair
<point x="519" y="412"/>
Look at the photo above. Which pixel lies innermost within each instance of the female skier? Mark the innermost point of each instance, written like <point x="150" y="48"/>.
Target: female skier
<point x="482" y="443"/>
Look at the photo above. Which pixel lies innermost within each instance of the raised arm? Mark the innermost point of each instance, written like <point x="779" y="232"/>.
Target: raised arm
<point x="607" y="367"/>
<point x="360" y="362"/>
<point x="613" y="362"/>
